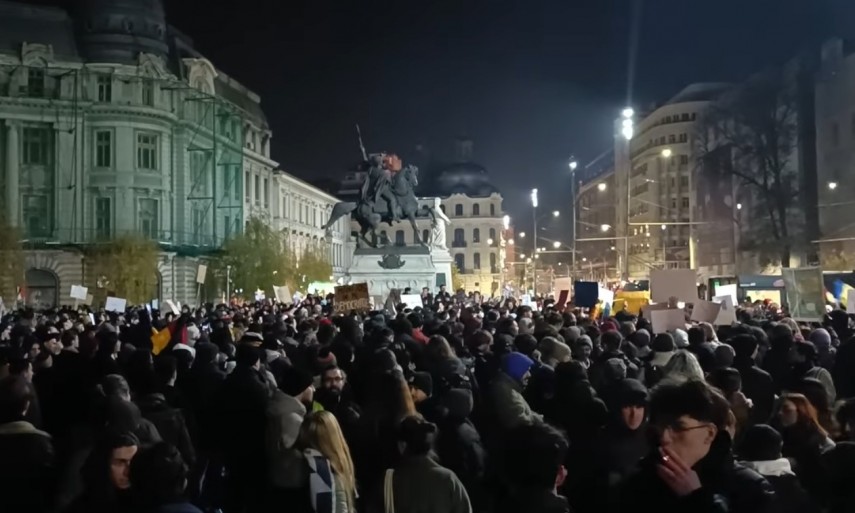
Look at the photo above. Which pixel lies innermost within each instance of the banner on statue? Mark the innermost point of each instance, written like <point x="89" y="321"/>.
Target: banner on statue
<point x="352" y="297"/>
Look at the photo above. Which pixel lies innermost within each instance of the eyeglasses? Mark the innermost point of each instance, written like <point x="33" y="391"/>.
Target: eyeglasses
<point x="675" y="428"/>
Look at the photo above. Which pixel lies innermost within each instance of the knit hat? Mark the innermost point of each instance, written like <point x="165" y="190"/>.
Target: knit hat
<point x="294" y="381"/>
<point x="615" y="369"/>
<point x="820" y="338"/>
<point x="422" y="381"/>
<point x="681" y="339"/>
<point x="724" y="355"/>
<point x="641" y="338"/>
<point x="516" y="365"/>
<point x="663" y="349"/>
<point x="584" y="340"/>
<point x="629" y="392"/>
<point x="761" y="443"/>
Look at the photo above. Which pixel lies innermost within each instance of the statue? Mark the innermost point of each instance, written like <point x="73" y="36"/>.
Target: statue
<point x="386" y="196"/>
<point x="438" y="223"/>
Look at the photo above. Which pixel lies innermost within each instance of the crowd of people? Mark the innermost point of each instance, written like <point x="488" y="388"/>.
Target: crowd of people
<point x="456" y="405"/>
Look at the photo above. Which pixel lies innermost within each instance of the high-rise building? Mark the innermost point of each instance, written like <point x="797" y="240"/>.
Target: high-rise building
<point x="598" y="253"/>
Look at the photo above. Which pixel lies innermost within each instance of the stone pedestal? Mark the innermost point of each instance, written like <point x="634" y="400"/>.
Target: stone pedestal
<point x="394" y="267"/>
<point x="442" y="261"/>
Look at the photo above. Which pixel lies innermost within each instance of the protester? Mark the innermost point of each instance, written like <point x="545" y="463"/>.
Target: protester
<point x="332" y="481"/>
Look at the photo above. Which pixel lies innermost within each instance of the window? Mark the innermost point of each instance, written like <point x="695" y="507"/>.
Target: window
<point x="103" y="218"/>
<point x="399" y="238"/>
<point x="684" y="160"/>
<point x="476" y="210"/>
<point x="36" y="82"/>
<point x="37" y="215"/>
<point x="492" y="210"/>
<point x="835" y="134"/>
<point x="105" y="88"/>
<point x="459" y="240"/>
<point x="265" y="199"/>
<point x="35" y="146"/>
<point x="672" y="138"/>
<point x="673" y="202"/>
<point x="227" y="228"/>
<point x="493" y="268"/>
<point x="684" y="181"/>
<point x="257" y="189"/>
<point x="148" y="93"/>
<point x="148" y="218"/>
<point x="493" y="233"/>
<point x="246" y="196"/>
<point x="476" y="235"/>
<point x="458" y="210"/>
<point x="476" y="262"/>
<point x="459" y="260"/>
<point x="684" y="117"/>
<point x="383" y="236"/>
<point x="684" y="138"/>
<point x="147" y="151"/>
<point x="673" y="181"/>
<point x="237" y="184"/>
<point x="667" y="119"/>
<point x="198" y="220"/>
<point x="103" y="148"/>
<point x="685" y="202"/>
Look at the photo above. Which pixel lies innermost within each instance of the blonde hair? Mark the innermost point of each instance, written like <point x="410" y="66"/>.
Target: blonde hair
<point x="321" y="431"/>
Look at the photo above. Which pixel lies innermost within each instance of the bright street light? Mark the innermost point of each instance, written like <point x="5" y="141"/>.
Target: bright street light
<point x="528" y="260"/>
<point x="534" y="198"/>
<point x="522" y="235"/>
<point x="628" y="113"/>
<point x="506" y="221"/>
<point x="832" y="185"/>
<point x="612" y="248"/>
<point x="536" y="256"/>
<point x="739" y="206"/>
<point x="664" y="227"/>
<point x="522" y="255"/>
<point x="584" y="259"/>
<point x="510" y="241"/>
<point x="559" y="263"/>
<point x="667" y="153"/>
<point x="573" y="165"/>
<point x="489" y="242"/>
<point x="556" y="244"/>
<point x="601" y="187"/>
<point x="555" y="213"/>
<point x="605" y="227"/>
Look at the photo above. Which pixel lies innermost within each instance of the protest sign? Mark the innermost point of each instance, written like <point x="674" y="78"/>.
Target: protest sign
<point x="705" y="311"/>
<point x="559" y="284"/>
<point x="88" y="300"/>
<point x="562" y="299"/>
<point x="850" y="302"/>
<point x="727" y="290"/>
<point x="283" y="294"/>
<point x="587" y="293"/>
<point x="668" y="320"/>
<point x="116" y="304"/>
<point x="352" y="297"/>
<point x="668" y="283"/>
<point x="79" y="292"/>
<point x="727" y="312"/>
<point x="172" y="307"/>
<point x="201" y="273"/>
<point x="411" y="300"/>
<point x="525" y="300"/>
<point x="805" y="293"/>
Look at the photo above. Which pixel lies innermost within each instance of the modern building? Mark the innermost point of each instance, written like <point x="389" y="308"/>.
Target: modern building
<point x="598" y="253"/>
<point x="656" y="172"/>
<point x="112" y="123"/>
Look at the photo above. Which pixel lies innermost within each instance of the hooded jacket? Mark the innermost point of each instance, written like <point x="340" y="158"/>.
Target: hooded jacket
<point x="790" y="497"/>
<point x="284" y="417"/>
<point x="28" y="474"/>
<point x="459" y="445"/>
<point x="510" y="406"/>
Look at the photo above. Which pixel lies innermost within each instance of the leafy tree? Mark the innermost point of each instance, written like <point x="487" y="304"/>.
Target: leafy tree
<point x="457" y="281"/>
<point x="257" y="257"/>
<point x="126" y="267"/>
<point x="750" y="136"/>
<point x="313" y="265"/>
<point x="11" y="262"/>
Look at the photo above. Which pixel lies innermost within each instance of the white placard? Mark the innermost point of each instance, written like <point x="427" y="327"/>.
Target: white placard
<point x="850" y="301"/>
<point x="155" y="304"/>
<point x="525" y="300"/>
<point x="172" y="307"/>
<point x="411" y="300"/>
<point x="727" y="314"/>
<point x="727" y="290"/>
<point x="607" y="297"/>
<point x="667" y="320"/>
<point x="668" y="283"/>
<point x="116" y="304"/>
<point x="201" y="273"/>
<point x="283" y="294"/>
<point x="260" y="295"/>
<point x="79" y="292"/>
<point x="705" y="311"/>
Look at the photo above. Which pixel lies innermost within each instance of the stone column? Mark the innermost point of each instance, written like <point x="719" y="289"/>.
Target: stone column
<point x="13" y="172"/>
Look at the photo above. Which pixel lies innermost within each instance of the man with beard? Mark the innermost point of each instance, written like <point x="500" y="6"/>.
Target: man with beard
<point x="335" y="397"/>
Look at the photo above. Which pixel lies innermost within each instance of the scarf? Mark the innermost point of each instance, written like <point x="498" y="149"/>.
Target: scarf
<point x="321" y="482"/>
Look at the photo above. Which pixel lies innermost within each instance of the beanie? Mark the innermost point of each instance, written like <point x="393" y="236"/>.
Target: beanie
<point x="743" y="345"/>
<point x="761" y="443"/>
<point x="516" y="365"/>
<point x="663" y="343"/>
<point x="641" y="338"/>
<point x="422" y="381"/>
<point x="820" y="338"/>
<point x="293" y="381"/>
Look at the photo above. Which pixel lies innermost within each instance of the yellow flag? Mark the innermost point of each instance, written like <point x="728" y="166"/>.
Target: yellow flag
<point x="159" y="340"/>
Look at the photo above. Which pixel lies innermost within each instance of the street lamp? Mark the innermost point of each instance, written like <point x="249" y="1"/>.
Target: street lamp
<point x="556" y="244"/>
<point x="627" y="130"/>
<point x="522" y="235"/>
<point x="489" y="242"/>
<point x="534" y="238"/>
<point x="555" y="213"/>
<point x="664" y="227"/>
<point x="739" y="206"/>
<point x="601" y="187"/>
<point x="573" y="164"/>
<point x="832" y="185"/>
<point x="605" y="227"/>
<point x="667" y="153"/>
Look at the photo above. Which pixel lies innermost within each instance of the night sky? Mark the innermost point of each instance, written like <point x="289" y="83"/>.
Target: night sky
<point x="530" y="81"/>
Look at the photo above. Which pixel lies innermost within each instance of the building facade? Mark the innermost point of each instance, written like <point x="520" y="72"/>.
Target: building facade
<point x="657" y="167"/>
<point x="599" y="255"/>
<point x="113" y="124"/>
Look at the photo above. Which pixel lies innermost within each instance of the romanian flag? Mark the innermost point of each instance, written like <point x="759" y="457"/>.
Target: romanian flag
<point x="840" y="291"/>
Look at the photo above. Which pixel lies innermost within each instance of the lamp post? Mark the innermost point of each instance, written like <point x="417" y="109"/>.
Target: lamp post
<point x="534" y="239"/>
<point x="573" y="164"/>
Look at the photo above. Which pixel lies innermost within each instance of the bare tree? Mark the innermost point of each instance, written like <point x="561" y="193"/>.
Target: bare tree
<point x="750" y="136"/>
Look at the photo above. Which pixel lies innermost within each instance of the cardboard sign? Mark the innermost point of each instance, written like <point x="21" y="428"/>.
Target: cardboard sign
<point x="850" y="302"/>
<point x="705" y="311"/>
<point x="201" y="273"/>
<point x="411" y="300"/>
<point x="562" y="299"/>
<point x="283" y="294"/>
<point x="727" y="314"/>
<point x="172" y="307"/>
<point x="727" y="290"/>
<point x="79" y="292"/>
<point x="587" y="293"/>
<point x="668" y="283"/>
<point x="116" y="304"/>
<point x="88" y="300"/>
<point x="352" y="297"/>
<point x="668" y="320"/>
<point x="805" y="293"/>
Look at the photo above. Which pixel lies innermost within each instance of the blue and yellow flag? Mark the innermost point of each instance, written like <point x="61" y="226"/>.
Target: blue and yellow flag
<point x="840" y="291"/>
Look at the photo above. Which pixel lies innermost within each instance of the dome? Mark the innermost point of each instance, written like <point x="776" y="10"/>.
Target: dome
<point x="465" y="178"/>
<point x="119" y="30"/>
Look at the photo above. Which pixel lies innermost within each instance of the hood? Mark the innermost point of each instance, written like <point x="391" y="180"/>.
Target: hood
<point x="661" y="359"/>
<point x="459" y="403"/>
<point x="770" y="468"/>
<point x="628" y="392"/>
<point x="282" y="404"/>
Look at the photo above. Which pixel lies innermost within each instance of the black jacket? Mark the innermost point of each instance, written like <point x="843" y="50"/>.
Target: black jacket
<point x="170" y="423"/>
<point x="535" y="501"/>
<point x="27" y="468"/>
<point x="459" y="446"/>
<point x="758" y="386"/>
<point x="726" y="487"/>
<point x="790" y="496"/>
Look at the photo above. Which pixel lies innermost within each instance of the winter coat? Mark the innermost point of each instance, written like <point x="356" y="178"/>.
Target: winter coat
<point x="170" y="423"/>
<point x="27" y="468"/>
<point x="459" y="446"/>
<point x="421" y="485"/>
<point x="241" y="423"/>
<point x="758" y="386"/>
<point x="284" y="417"/>
<point x="844" y="369"/>
<point x="541" y="387"/>
<point x="804" y="447"/>
<point x="509" y="405"/>
<point x="204" y="384"/>
<point x="326" y="492"/>
<point x="726" y="487"/>
<point x="534" y="501"/>
<point x="705" y="353"/>
<point x="790" y="497"/>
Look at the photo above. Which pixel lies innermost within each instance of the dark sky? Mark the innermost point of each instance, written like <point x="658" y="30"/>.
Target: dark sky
<point x="530" y="81"/>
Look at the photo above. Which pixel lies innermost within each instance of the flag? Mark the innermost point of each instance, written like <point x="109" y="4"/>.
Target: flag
<point x="840" y="291"/>
<point x="159" y="340"/>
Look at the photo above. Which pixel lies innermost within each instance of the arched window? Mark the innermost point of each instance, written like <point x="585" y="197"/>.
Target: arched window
<point x="459" y="261"/>
<point x="459" y="240"/>
<point x="476" y="262"/>
<point x="492" y="210"/>
<point x="476" y="210"/>
<point x="41" y="289"/>
<point x="476" y="235"/>
<point x="493" y="233"/>
<point x="458" y="210"/>
<point x="399" y="238"/>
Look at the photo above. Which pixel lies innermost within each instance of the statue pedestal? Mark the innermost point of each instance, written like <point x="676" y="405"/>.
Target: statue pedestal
<point x="396" y="267"/>
<point x="442" y="261"/>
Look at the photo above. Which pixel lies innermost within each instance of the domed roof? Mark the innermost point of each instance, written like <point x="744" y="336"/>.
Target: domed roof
<point x="119" y="30"/>
<point x="465" y="178"/>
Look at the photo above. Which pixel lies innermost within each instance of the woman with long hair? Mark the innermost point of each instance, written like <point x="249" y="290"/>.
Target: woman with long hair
<point x="805" y="440"/>
<point x="445" y="367"/>
<point x="329" y="459"/>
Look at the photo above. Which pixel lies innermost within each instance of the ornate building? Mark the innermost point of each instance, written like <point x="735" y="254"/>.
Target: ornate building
<point x="112" y="123"/>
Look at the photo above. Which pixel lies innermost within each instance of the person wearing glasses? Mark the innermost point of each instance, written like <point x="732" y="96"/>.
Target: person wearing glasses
<point x="691" y="465"/>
